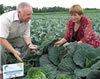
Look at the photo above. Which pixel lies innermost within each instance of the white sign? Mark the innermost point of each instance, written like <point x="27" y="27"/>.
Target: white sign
<point x="13" y="70"/>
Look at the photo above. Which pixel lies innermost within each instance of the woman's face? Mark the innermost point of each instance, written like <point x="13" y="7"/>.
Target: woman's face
<point x="75" y="17"/>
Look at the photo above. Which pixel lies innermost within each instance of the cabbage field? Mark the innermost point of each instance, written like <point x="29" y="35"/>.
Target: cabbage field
<point x="45" y="27"/>
<point x="80" y="61"/>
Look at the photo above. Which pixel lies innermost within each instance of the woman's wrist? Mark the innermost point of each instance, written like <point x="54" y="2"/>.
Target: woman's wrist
<point x="79" y="42"/>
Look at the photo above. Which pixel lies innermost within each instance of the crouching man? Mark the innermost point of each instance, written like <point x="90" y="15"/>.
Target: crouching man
<point x="15" y="32"/>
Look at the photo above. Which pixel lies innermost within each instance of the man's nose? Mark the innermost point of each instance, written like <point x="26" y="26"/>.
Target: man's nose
<point x="30" y="16"/>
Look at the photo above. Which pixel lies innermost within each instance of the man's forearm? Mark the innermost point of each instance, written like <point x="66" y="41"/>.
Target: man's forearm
<point x="27" y="40"/>
<point x="7" y="45"/>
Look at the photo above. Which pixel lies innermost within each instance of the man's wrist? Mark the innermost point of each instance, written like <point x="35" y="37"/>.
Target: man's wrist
<point x="29" y="44"/>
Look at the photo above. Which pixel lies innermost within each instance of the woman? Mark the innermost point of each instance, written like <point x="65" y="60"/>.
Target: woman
<point x="79" y="28"/>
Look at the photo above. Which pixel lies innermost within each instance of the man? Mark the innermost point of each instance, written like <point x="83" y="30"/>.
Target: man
<point x="15" y="32"/>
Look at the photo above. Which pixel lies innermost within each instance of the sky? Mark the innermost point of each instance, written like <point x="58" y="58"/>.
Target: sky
<point x="52" y="3"/>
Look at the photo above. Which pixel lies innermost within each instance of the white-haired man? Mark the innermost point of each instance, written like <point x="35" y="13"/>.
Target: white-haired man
<point x="15" y="32"/>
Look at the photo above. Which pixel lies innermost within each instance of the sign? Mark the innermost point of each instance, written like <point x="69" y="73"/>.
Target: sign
<point x="13" y="70"/>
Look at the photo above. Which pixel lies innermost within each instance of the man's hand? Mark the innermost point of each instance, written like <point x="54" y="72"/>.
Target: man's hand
<point x="17" y="55"/>
<point x="33" y="48"/>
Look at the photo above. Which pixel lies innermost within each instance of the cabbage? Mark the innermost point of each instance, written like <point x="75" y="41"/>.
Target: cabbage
<point x="36" y="73"/>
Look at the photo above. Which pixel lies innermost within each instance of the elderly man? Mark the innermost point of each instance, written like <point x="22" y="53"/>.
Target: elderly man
<point x="15" y="32"/>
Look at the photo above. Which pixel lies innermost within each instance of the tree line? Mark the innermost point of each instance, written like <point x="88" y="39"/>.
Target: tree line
<point x="4" y="9"/>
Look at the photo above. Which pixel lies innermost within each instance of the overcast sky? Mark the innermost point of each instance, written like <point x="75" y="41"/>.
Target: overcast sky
<point x="52" y="3"/>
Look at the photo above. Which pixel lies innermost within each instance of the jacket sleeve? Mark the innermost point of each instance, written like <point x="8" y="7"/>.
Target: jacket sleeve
<point x="88" y="32"/>
<point x="66" y="35"/>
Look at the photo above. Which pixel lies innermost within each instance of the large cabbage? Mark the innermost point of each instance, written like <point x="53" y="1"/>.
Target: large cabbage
<point x="36" y="73"/>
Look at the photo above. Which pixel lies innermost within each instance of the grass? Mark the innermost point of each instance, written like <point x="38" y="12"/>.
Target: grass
<point x="66" y="12"/>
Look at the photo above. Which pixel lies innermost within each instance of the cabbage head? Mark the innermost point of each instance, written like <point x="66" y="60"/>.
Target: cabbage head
<point x="36" y="73"/>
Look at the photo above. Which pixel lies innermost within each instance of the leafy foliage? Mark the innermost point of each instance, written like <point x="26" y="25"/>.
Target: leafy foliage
<point x="79" y="60"/>
<point x="63" y="76"/>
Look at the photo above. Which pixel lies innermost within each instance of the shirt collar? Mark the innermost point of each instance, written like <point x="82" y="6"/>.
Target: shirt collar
<point x="16" y="16"/>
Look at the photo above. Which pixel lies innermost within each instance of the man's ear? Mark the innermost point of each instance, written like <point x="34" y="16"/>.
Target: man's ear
<point x="19" y="12"/>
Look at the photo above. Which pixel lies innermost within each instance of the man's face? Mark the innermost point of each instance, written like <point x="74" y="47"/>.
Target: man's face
<point x="26" y="14"/>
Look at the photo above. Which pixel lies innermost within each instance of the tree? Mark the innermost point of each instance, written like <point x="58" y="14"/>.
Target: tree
<point x="1" y="9"/>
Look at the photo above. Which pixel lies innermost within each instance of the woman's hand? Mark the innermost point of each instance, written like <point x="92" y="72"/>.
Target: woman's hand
<point x="57" y="44"/>
<point x="79" y="42"/>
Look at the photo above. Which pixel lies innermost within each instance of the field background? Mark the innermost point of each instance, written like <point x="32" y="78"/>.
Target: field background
<point x="47" y="26"/>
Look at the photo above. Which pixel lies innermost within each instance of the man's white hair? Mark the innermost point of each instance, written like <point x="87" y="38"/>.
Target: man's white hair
<point x="22" y="5"/>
